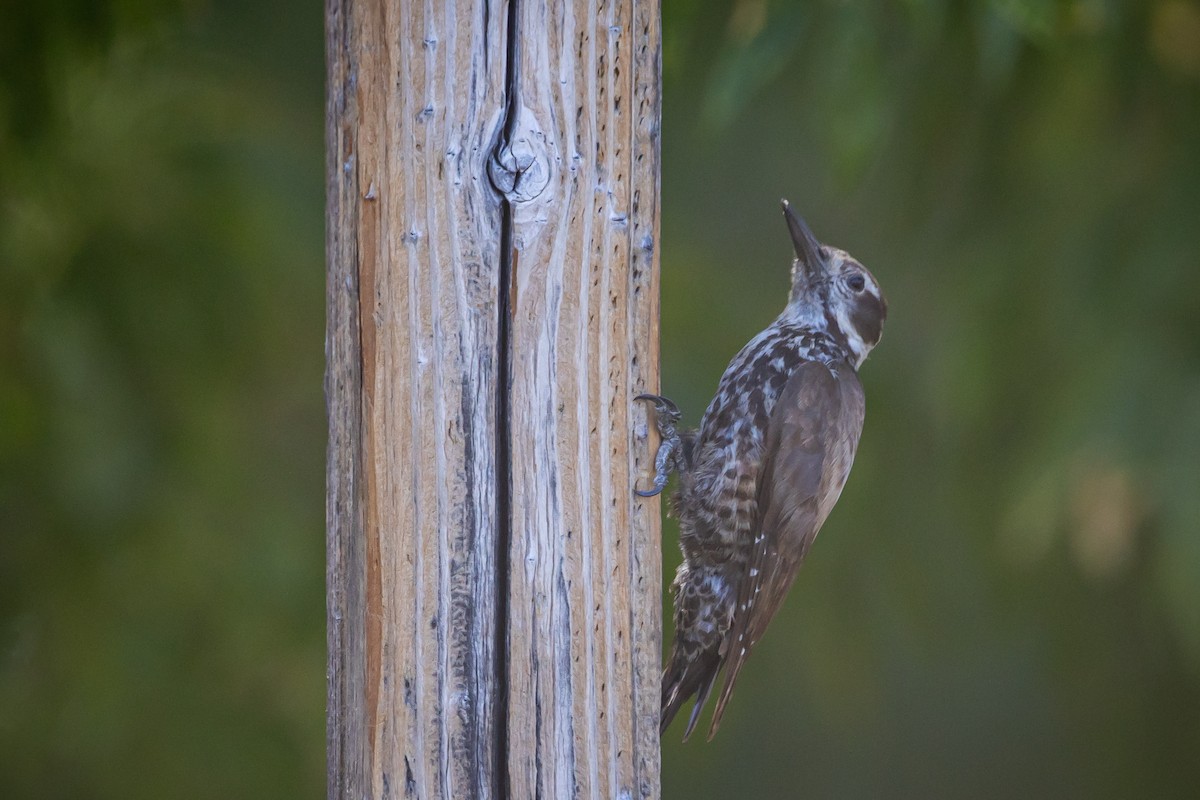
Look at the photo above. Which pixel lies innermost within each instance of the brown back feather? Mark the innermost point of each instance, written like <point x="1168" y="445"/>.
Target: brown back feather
<point x="817" y="416"/>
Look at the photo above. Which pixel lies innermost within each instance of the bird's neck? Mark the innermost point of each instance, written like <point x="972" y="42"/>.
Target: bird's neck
<point x="815" y="341"/>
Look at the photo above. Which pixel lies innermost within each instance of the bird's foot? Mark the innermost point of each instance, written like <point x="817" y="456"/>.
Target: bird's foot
<point x="666" y="415"/>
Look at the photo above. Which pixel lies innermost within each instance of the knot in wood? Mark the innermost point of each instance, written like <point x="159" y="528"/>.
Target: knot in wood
<point x="520" y="166"/>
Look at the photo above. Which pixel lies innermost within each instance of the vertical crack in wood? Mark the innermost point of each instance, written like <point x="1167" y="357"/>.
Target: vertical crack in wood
<point x="503" y="509"/>
<point x="507" y="267"/>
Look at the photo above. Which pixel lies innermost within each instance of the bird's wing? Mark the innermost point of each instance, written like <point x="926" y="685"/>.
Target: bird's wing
<point x="813" y="429"/>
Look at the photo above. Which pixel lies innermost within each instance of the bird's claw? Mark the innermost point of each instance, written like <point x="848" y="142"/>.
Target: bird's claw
<point x="666" y="414"/>
<point x="664" y="409"/>
<point x="657" y="490"/>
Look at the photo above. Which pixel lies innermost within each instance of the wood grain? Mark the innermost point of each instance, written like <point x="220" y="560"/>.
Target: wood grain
<point x="585" y="587"/>
<point x="493" y="583"/>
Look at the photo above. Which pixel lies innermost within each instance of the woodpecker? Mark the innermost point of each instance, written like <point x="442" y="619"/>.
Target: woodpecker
<point x="764" y="469"/>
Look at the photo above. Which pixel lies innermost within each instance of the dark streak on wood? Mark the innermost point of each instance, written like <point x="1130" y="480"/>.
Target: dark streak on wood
<point x="343" y="384"/>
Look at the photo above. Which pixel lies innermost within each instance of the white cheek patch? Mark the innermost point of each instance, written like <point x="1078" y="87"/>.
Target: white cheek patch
<point x="853" y="340"/>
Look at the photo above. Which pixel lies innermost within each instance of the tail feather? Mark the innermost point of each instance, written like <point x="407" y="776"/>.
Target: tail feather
<point x="731" y="674"/>
<point x="688" y="675"/>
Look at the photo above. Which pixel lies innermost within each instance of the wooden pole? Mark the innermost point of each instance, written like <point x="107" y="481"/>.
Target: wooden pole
<point x="493" y="583"/>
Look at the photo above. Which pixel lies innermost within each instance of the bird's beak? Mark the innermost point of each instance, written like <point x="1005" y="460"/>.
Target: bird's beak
<point x="808" y="249"/>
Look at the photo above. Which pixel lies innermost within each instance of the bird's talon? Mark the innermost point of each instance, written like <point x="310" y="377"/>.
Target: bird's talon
<point x="663" y="407"/>
<point x="666" y="414"/>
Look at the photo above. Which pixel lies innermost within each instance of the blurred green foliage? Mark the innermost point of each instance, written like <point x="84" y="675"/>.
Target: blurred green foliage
<point x="161" y="416"/>
<point x="1006" y="603"/>
<point x="1007" y="600"/>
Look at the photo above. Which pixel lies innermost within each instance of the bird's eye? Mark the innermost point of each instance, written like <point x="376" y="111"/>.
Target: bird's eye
<point x="857" y="282"/>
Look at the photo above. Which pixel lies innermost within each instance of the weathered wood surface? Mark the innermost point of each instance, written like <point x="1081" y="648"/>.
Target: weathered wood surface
<point x="494" y="585"/>
<point x="584" y="656"/>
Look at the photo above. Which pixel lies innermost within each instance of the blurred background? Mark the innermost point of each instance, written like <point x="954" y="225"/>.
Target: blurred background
<point x="1006" y="603"/>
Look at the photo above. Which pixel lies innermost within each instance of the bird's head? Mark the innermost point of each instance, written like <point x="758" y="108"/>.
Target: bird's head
<point x="833" y="291"/>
